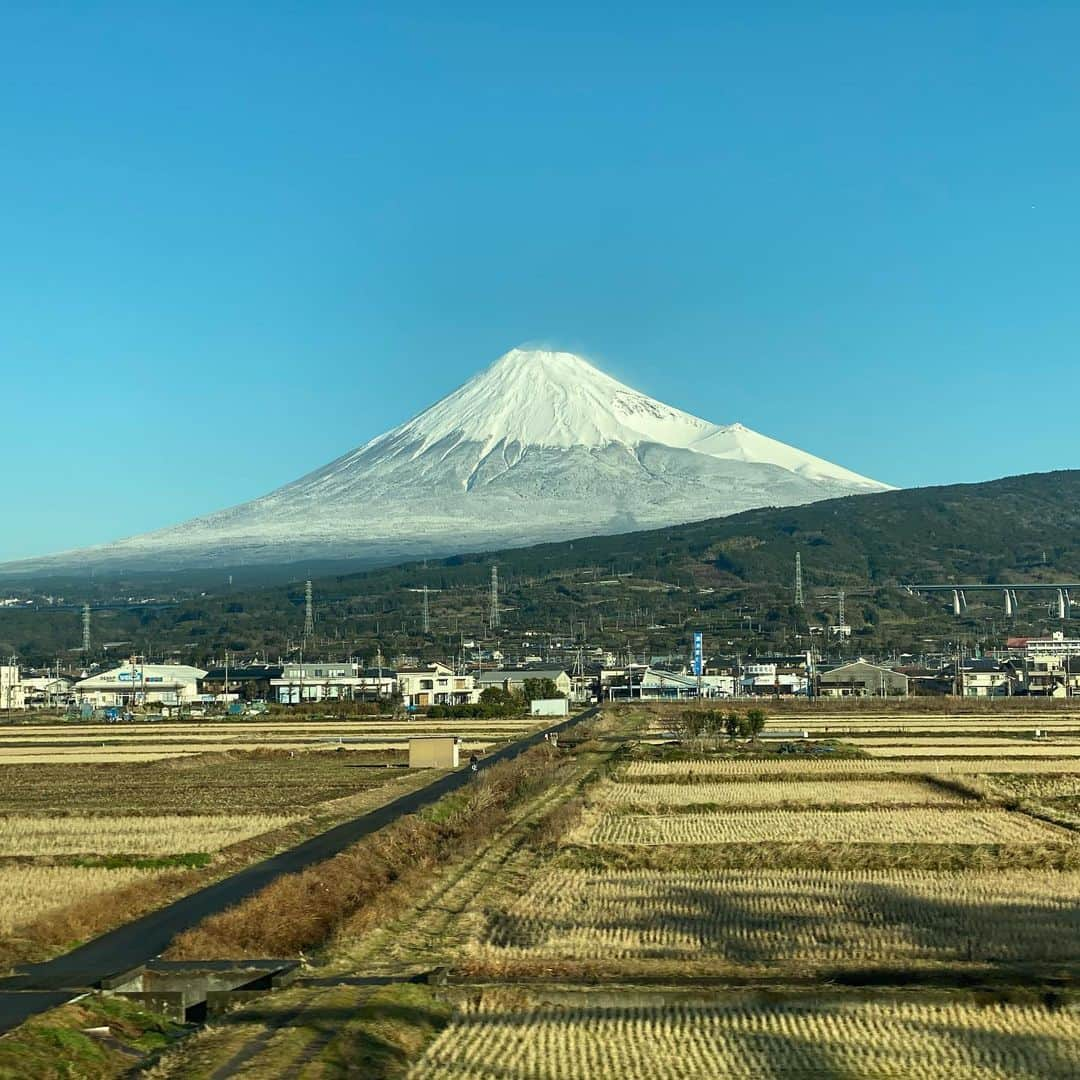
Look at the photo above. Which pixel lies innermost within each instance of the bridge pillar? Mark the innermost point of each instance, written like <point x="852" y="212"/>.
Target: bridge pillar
<point x="1061" y="604"/>
<point x="956" y="601"/>
<point x="1008" y="604"/>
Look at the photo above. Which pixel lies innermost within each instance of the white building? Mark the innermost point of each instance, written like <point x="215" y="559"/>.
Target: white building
<point x="513" y="680"/>
<point x="436" y="684"/>
<point x="136" y="683"/>
<point x="1057" y="645"/>
<point x="12" y="691"/>
<point x="43" y="691"/>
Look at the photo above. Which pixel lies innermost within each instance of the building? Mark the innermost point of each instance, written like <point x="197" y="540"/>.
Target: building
<point x="48" y="691"/>
<point x="986" y="678"/>
<point x="513" y="680"/>
<point x="250" y="682"/>
<point x="436" y="684"/>
<point x="1055" y="645"/>
<point x="12" y="691"/>
<point x="860" y="678"/>
<point x="138" y="683"/>
<point x="330" y="680"/>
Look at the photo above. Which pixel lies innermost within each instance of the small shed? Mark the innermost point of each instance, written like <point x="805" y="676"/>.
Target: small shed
<point x="435" y="752"/>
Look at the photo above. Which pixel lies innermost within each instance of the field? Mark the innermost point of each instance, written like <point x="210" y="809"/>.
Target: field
<point x="643" y="910"/>
<point x="51" y="743"/>
<point x="513" y="1036"/>
<point x="27" y="892"/>
<point x="167" y="834"/>
<point x="778" y="917"/>
<point x="907" y="765"/>
<point x="796" y="793"/>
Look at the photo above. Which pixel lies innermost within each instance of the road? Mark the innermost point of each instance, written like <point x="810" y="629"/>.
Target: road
<point x="35" y="988"/>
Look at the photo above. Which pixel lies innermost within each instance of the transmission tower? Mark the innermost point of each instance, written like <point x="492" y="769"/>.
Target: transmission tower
<point x="427" y="614"/>
<point x="840" y="608"/>
<point x="86" y="628"/>
<point x="493" y="618"/>
<point x="309" y="612"/>
<point x="799" y="602"/>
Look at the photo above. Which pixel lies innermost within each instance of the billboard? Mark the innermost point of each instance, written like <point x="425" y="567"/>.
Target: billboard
<point x="698" y="664"/>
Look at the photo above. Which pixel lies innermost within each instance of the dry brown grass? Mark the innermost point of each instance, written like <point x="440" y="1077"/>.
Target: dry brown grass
<point x="691" y="771"/>
<point x="300" y="911"/>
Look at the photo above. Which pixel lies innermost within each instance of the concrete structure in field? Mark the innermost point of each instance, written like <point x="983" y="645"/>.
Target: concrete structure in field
<point x="435" y="752"/>
<point x="12" y="691"/>
<point x="860" y="678"/>
<point x="513" y="679"/>
<point x="137" y="683"/>
<point x="549" y="707"/>
<point x="435" y="684"/>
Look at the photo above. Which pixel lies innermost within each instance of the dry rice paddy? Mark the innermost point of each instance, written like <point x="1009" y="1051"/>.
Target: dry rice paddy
<point x="880" y="826"/>
<point x="142" y="835"/>
<point x="778" y="792"/>
<point x="802" y="766"/>
<point x="26" y="892"/>
<point x="955" y="750"/>
<point x="503" y="1036"/>
<point x="802" y="916"/>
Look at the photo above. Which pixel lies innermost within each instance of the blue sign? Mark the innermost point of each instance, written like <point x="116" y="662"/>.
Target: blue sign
<point x="698" y="662"/>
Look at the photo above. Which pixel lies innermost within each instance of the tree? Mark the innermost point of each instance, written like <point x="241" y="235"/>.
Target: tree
<point x="541" y="689"/>
<point x="755" y="722"/>
<point x="733" y="725"/>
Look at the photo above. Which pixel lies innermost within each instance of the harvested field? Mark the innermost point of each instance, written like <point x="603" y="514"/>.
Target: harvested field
<point x="1015" y="749"/>
<point x="757" y="768"/>
<point x="891" y="826"/>
<point x="503" y="1035"/>
<point x="27" y="892"/>
<point x="144" y="835"/>
<point x="240" y="782"/>
<point x="765" y="917"/>
<point x="776" y="792"/>
<point x="1033" y="787"/>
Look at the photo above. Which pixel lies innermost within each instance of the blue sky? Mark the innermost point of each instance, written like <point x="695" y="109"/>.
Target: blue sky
<point x="240" y="239"/>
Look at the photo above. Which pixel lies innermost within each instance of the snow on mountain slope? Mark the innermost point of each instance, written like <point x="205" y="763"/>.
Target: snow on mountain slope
<point x="539" y="446"/>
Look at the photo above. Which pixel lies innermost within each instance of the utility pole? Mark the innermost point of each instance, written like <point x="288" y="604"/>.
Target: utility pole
<point x="309" y="612"/>
<point x="493" y="617"/>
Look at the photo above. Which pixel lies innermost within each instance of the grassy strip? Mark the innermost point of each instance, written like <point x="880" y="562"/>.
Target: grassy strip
<point x="817" y="856"/>
<point x="387" y="1033"/>
<point x="55" y="1044"/>
<point x="300" y="911"/>
<point x="187" y="860"/>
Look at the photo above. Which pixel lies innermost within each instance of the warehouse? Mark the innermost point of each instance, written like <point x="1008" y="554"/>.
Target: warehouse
<point x="860" y="678"/>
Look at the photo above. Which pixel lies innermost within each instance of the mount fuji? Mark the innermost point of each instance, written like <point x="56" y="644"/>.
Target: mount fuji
<point x="539" y="446"/>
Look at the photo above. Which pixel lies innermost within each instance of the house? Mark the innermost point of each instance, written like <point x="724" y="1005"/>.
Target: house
<point x="44" y="691"/>
<point x="984" y="677"/>
<point x="330" y="680"/>
<point x="246" y="682"/>
<point x="436" y="684"/>
<point x="139" y="683"/>
<point x="1047" y="675"/>
<point x="860" y="678"/>
<point x="513" y="681"/>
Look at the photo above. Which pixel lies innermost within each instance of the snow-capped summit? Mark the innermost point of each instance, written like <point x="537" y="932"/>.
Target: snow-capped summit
<point x="542" y="398"/>
<point x="540" y="445"/>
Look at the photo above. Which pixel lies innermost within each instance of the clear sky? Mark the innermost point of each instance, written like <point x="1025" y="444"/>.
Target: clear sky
<point x="239" y="239"/>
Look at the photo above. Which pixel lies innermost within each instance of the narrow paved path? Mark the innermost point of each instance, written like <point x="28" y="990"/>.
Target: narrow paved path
<point x="145" y="938"/>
